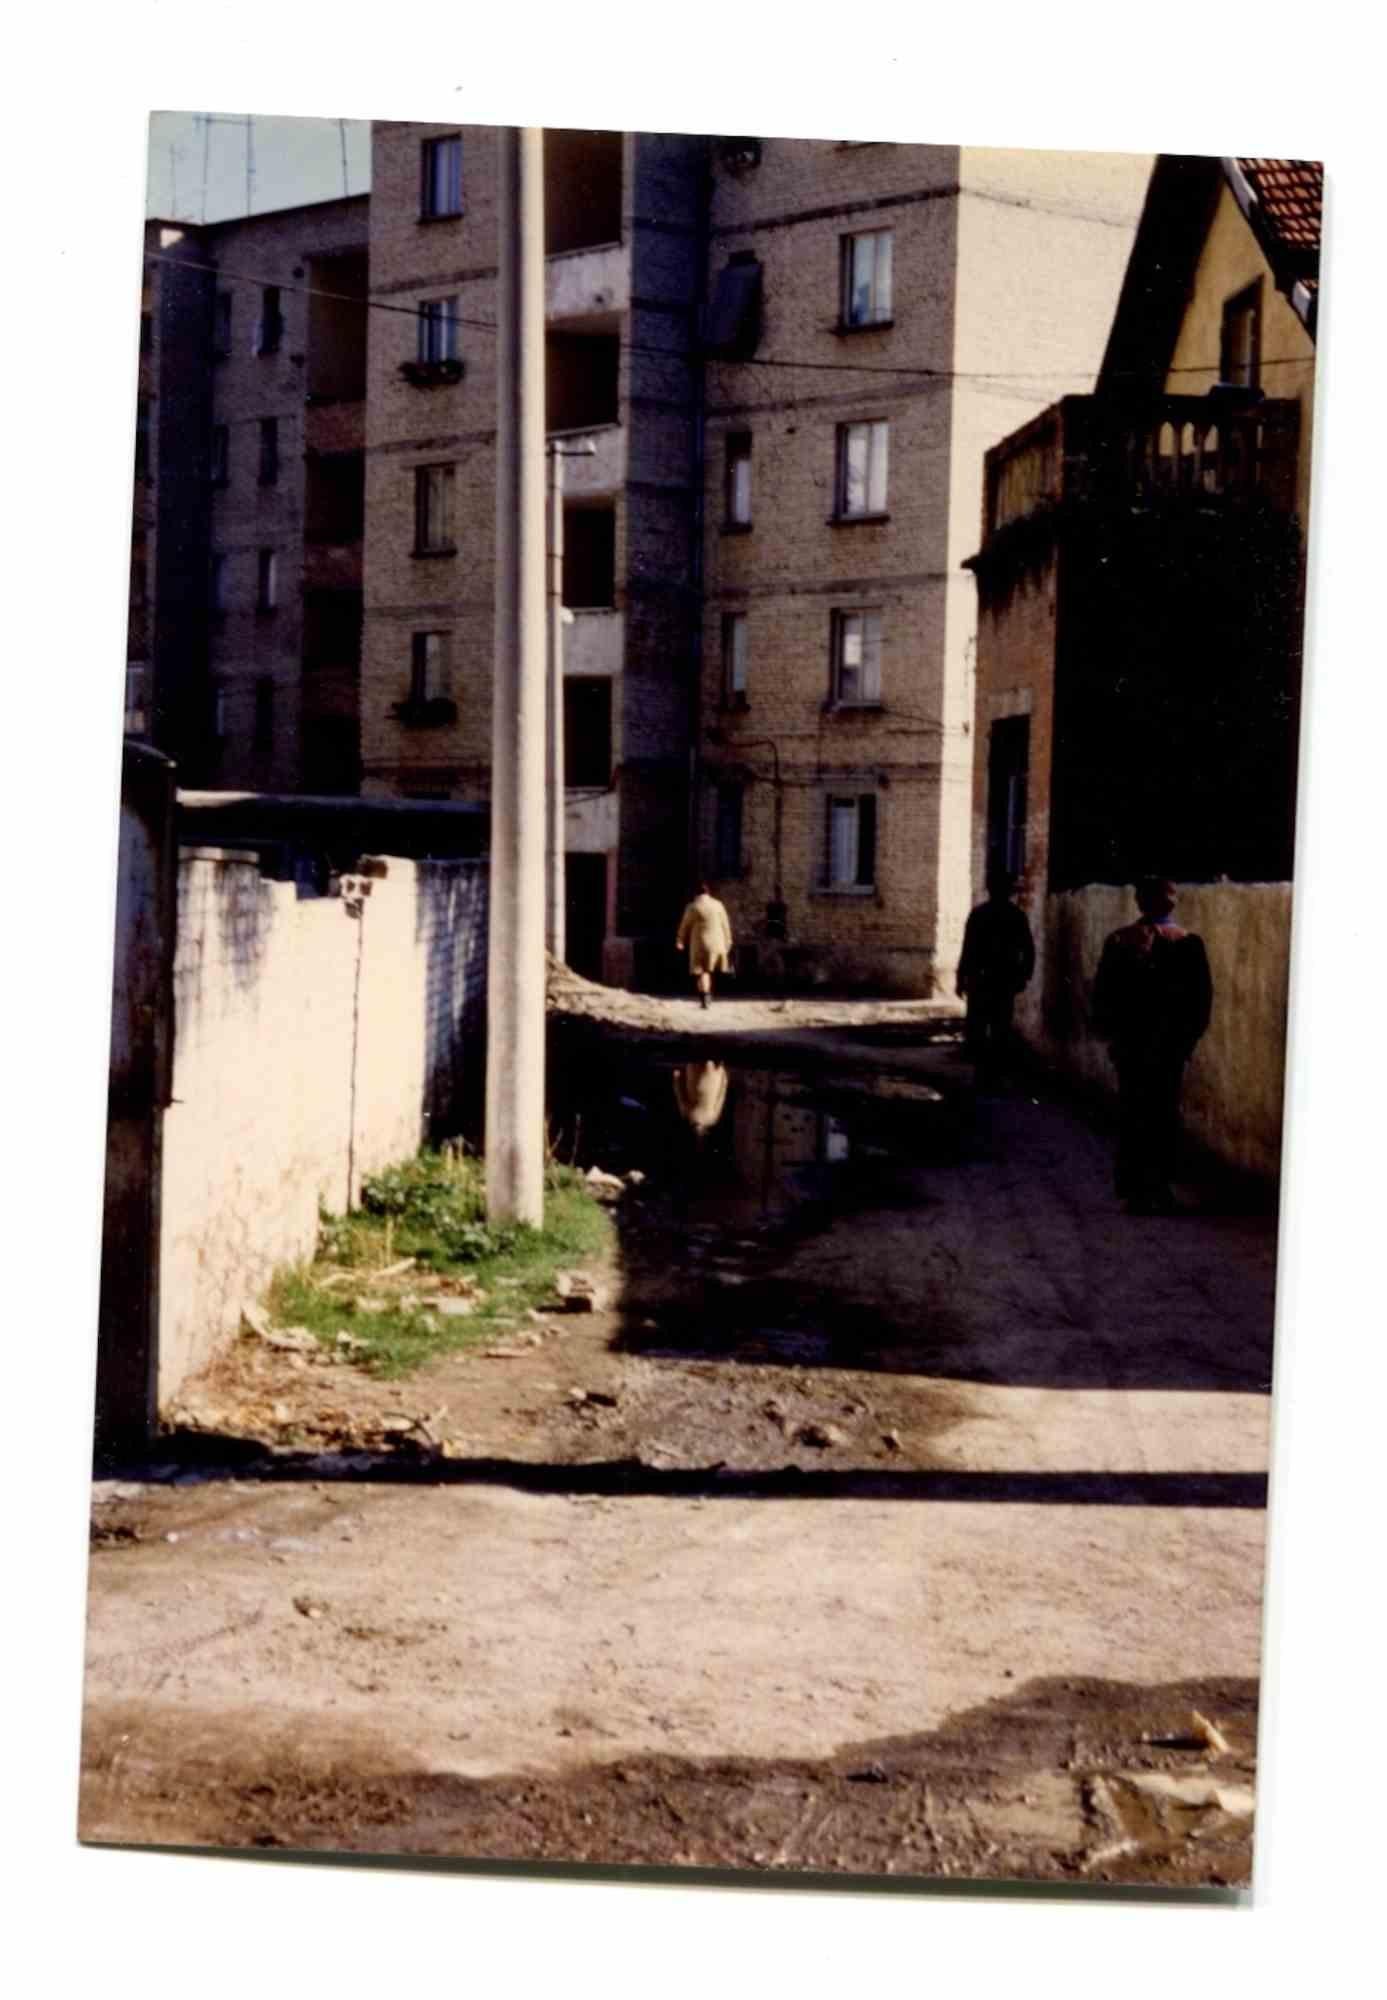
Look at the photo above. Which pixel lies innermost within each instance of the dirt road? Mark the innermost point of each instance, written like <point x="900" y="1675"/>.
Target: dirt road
<point x="899" y="1518"/>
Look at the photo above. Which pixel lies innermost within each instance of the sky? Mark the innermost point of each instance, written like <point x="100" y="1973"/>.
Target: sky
<point x="197" y="163"/>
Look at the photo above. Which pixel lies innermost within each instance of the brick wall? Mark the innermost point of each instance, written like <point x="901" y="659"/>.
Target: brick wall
<point x="312" y="1046"/>
<point x="250" y="646"/>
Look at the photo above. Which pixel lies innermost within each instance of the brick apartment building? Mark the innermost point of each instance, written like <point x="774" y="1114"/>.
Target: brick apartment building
<point x="245" y="594"/>
<point x="769" y="656"/>
<point x="784" y="361"/>
<point x="623" y="278"/>
<point x="889" y="311"/>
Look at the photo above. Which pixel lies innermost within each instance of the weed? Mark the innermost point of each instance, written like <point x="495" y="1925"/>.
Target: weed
<point x="432" y="1209"/>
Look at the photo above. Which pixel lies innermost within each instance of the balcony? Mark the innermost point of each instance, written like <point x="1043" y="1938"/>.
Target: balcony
<point x="587" y="284"/>
<point x="332" y="566"/>
<point x="1217" y="449"/>
<point x="605" y="472"/>
<point x="594" y="643"/>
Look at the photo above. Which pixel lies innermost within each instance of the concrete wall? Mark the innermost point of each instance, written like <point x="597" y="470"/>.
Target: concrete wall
<point x="1232" y="1100"/>
<point x="316" y="1040"/>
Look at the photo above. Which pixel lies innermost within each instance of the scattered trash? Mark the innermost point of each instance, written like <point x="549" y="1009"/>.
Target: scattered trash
<point x="891" y="1440"/>
<point x="1210" y="1734"/>
<point x="310" y="1607"/>
<point x="606" y="1187"/>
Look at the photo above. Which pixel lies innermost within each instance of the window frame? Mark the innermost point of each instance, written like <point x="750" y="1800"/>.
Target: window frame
<point x="434" y="314"/>
<point x="421" y="695"/>
<point x="269" y="327"/>
<point x="736" y="482"/>
<point x="1247" y="301"/>
<point x="876" y="428"/>
<point x="869" y="669"/>
<point x="433" y="511"/>
<point x="430" y="150"/>
<point x="865" y="853"/>
<point x="736" y="651"/>
<point x="877" y="316"/>
<point x="268" y="473"/>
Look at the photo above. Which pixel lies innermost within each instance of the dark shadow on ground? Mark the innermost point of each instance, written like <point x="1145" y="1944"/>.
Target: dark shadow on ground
<point x="194" y="1457"/>
<point x="1045" y="1785"/>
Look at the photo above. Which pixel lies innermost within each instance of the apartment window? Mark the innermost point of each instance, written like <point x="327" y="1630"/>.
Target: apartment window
<point x="433" y="510"/>
<point x="270" y="330"/>
<point x="136" y="710"/>
<point x="587" y="731"/>
<point x="861" y="483"/>
<point x="856" y="658"/>
<point x="216" y="592"/>
<point x="221" y="325"/>
<point x="221" y="454"/>
<point x="428" y="668"/>
<point x="866" y="299"/>
<point x="727" y="830"/>
<point x="440" y="191"/>
<point x="734" y="659"/>
<point x="438" y="330"/>
<point x="264" y="724"/>
<point x="269" y="450"/>
<point x="144" y="457"/>
<point x="1240" y="349"/>
<point x="852" y="842"/>
<point x="267" y="581"/>
<point x="737" y="480"/>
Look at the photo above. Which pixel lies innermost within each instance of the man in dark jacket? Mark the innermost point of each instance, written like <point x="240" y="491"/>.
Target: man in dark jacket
<point x="1152" y="1000"/>
<point x="995" y="965"/>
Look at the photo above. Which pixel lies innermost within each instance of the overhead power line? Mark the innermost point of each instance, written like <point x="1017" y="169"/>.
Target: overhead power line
<point x="917" y="371"/>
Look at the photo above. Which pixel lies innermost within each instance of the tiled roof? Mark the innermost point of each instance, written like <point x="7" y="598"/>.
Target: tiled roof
<point x="1290" y="194"/>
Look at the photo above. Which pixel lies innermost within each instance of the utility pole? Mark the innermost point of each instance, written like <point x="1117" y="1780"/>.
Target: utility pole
<point x="515" y="958"/>
<point x="555" y="925"/>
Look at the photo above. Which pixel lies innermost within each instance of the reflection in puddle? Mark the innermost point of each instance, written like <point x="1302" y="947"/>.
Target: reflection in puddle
<point x="736" y="1146"/>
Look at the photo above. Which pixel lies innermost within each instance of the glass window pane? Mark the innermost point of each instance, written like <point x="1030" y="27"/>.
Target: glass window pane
<point x="871" y="656"/>
<point x="883" y="275"/>
<point x="842" y="841"/>
<point x="876" y="492"/>
<point x="855" y="457"/>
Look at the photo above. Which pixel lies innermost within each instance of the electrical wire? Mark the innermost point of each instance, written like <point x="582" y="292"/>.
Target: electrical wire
<point x="691" y="355"/>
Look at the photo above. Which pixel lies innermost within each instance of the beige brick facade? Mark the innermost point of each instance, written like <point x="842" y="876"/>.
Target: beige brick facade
<point x="985" y="315"/>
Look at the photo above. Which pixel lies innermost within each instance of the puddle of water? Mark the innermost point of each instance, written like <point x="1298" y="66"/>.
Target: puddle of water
<point x="740" y="1147"/>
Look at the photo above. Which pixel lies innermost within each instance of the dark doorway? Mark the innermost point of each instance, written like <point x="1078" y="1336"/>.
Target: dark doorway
<point x="585" y="911"/>
<point x="1008" y="763"/>
<point x="587" y="732"/>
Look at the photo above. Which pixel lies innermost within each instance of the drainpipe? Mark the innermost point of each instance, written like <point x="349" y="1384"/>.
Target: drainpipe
<point x="698" y="429"/>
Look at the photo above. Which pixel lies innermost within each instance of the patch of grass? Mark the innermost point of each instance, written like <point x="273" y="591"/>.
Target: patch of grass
<point x="433" y="1209"/>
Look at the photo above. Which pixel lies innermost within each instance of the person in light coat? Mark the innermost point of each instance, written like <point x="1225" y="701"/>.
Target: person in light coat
<point x="705" y="932"/>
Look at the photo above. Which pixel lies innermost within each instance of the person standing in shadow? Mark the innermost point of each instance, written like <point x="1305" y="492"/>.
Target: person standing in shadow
<point x="1152" y="1000"/>
<point x="995" y="966"/>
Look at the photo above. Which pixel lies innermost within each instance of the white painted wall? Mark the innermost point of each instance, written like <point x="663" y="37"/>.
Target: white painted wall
<point x="308" y="1044"/>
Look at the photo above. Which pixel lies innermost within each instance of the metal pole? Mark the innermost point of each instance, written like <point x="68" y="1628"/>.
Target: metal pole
<point x="515" y="962"/>
<point x="555" y="916"/>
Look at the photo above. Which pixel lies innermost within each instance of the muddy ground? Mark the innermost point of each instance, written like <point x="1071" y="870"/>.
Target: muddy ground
<point x="898" y="1517"/>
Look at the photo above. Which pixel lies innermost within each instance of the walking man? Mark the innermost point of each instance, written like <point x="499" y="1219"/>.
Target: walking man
<point x="1152" y="1000"/>
<point x="996" y="964"/>
<point x="705" y="931"/>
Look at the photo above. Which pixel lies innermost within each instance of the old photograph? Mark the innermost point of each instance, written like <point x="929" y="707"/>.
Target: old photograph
<point x="698" y="1038"/>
